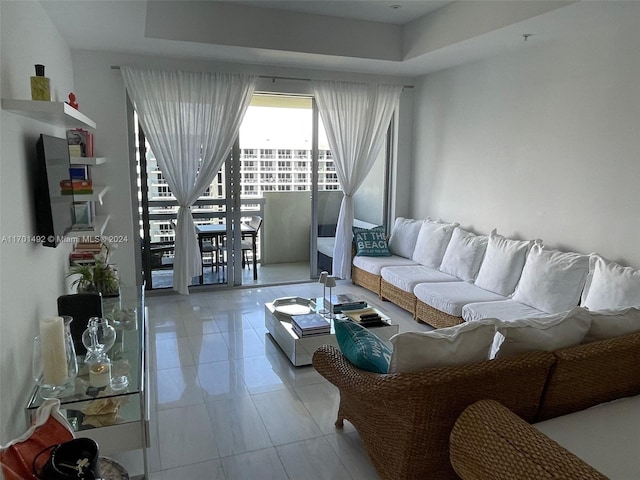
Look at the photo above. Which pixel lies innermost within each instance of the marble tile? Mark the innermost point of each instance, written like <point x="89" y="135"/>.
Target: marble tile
<point x="178" y="387"/>
<point x="259" y="465"/>
<point x="221" y="380"/>
<point x="229" y="320"/>
<point x="322" y="400"/>
<point x="209" y="348"/>
<point x="259" y="376"/>
<point x="211" y="470"/>
<point x="312" y="459"/>
<point x="243" y="343"/>
<point x="237" y="426"/>
<point x="185" y="436"/>
<point x="171" y="353"/>
<point x="354" y="457"/>
<point x="285" y="417"/>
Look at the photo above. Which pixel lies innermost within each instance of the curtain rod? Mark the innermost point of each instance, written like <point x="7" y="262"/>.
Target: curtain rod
<point x="272" y="77"/>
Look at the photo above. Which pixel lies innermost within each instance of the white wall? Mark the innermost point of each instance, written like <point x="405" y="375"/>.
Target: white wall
<point x="540" y="144"/>
<point x="32" y="276"/>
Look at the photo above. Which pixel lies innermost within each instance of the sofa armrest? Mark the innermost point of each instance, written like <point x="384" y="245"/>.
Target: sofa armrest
<point x="401" y="416"/>
<point x="489" y="442"/>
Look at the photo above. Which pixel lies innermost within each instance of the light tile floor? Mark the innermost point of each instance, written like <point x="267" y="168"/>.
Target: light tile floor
<point x="226" y="404"/>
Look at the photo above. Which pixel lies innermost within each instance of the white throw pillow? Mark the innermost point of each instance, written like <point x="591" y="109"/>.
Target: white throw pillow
<point x="464" y="254"/>
<point x="502" y="264"/>
<point x="465" y="343"/>
<point x="541" y="334"/>
<point x="612" y="323"/>
<point x="552" y="281"/>
<point x="403" y="236"/>
<point x="612" y="286"/>
<point x="432" y="242"/>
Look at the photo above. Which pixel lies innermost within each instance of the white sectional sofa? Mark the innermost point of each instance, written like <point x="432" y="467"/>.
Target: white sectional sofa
<point x="445" y="275"/>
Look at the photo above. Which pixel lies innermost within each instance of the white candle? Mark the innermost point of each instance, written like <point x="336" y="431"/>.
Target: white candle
<point x="100" y="374"/>
<point x="54" y="357"/>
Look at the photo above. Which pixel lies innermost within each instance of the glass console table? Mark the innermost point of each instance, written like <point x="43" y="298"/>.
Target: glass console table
<point x="118" y="420"/>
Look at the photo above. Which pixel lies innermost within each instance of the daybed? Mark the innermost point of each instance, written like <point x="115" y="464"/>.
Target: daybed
<point x="405" y="419"/>
<point x="490" y="442"/>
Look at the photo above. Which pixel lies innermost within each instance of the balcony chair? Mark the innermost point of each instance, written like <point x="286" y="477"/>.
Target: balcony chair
<point x="249" y="241"/>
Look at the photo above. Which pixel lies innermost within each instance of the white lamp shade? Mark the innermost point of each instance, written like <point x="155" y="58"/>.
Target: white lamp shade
<point x="323" y="277"/>
<point x="330" y="282"/>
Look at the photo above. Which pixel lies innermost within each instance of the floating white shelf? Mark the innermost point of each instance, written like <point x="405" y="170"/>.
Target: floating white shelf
<point x="99" y="226"/>
<point x="54" y="113"/>
<point x="99" y="191"/>
<point x="87" y="160"/>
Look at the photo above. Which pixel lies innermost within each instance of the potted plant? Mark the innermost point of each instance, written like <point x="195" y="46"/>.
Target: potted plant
<point x="99" y="277"/>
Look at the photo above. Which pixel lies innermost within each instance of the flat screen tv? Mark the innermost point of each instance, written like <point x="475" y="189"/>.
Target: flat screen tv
<point x="53" y="209"/>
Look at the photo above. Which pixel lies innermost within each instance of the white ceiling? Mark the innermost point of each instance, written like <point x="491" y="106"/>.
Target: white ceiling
<point x="431" y="35"/>
<point x="370" y="10"/>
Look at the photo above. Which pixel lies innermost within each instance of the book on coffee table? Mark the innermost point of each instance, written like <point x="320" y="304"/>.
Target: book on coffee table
<point x="310" y="324"/>
<point x="345" y="301"/>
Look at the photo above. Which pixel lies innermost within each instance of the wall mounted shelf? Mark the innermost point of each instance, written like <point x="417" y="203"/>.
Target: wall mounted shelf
<point x="98" y="229"/>
<point x="99" y="192"/>
<point x="93" y="161"/>
<point x="54" y="113"/>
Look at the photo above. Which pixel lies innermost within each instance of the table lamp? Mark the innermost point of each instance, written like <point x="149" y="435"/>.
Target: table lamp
<point x="330" y="283"/>
<point x="323" y="280"/>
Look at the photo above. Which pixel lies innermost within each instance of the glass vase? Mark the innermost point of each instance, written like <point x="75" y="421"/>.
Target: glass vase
<point x="54" y="367"/>
<point x="98" y="338"/>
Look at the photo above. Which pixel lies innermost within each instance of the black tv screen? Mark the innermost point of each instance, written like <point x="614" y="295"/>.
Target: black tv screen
<point x="53" y="209"/>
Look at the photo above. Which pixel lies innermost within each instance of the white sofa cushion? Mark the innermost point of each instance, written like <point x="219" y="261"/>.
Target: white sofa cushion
<point x="612" y="286"/>
<point x="502" y="264"/>
<point x="543" y="334"/>
<point x="505" y="310"/>
<point x="406" y="278"/>
<point x="450" y="297"/>
<point x="552" y="281"/>
<point x="373" y="265"/>
<point x="464" y="254"/>
<point x="604" y="436"/>
<point x="403" y="236"/>
<point x="432" y="242"/>
<point x="465" y="343"/>
<point x="612" y="323"/>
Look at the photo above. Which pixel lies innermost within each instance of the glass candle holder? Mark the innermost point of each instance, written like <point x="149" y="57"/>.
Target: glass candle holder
<point x="54" y="364"/>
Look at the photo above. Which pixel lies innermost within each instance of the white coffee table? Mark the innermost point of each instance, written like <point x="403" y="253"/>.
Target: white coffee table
<point x="300" y="350"/>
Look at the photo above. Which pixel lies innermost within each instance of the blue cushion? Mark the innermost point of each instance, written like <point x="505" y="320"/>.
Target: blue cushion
<point x="371" y="242"/>
<point x="362" y="347"/>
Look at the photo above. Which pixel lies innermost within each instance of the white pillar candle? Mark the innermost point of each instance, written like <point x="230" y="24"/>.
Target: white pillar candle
<point x="100" y="374"/>
<point x="54" y="357"/>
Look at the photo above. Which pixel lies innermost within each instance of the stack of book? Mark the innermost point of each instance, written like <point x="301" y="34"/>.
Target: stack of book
<point x="310" y="324"/>
<point x="85" y="251"/>
<point x="368" y="317"/>
<point x="344" y="302"/>
<point x="80" y="143"/>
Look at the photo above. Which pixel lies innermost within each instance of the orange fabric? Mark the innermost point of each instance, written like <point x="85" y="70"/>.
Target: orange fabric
<point x="50" y="428"/>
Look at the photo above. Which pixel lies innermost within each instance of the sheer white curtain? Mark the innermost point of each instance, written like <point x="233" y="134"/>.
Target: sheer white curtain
<point x="356" y="118"/>
<point x="191" y="120"/>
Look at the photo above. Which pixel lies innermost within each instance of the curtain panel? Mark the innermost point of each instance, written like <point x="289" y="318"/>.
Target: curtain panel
<point x="191" y="120"/>
<point x="356" y="118"/>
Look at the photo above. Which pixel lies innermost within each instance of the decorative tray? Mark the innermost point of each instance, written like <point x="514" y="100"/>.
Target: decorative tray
<point x="287" y="306"/>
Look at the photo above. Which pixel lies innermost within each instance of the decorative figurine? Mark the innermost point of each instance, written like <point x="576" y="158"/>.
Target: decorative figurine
<point x="72" y="100"/>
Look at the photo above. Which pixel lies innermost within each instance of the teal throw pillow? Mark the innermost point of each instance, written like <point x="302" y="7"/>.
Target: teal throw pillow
<point x="371" y="242"/>
<point x="361" y="347"/>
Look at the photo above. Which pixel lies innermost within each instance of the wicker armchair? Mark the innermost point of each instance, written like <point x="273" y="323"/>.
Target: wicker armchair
<point x="404" y="420"/>
<point x="489" y="442"/>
